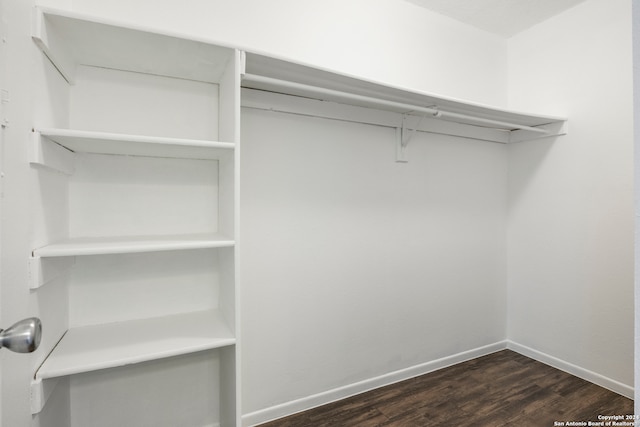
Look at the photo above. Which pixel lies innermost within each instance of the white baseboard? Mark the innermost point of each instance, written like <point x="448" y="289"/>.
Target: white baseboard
<point x="572" y="369"/>
<point x="305" y="403"/>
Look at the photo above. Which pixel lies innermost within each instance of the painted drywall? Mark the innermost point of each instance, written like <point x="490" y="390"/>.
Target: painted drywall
<point x="391" y="41"/>
<point x="182" y="393"/>
<point x="570" y="226"/>
<point x="355" y="265"/>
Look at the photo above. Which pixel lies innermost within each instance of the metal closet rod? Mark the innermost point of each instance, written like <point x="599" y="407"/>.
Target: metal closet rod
<point x="384" y="103"/>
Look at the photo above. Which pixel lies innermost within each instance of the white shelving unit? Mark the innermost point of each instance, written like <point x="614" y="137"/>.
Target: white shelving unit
<point x="135" y="187"/>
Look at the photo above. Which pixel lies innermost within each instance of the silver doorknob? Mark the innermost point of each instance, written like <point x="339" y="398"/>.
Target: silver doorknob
<point x="23" y="336"/>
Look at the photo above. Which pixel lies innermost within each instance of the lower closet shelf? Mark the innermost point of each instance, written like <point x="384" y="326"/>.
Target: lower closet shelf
<point x="91" y="348"/>
<point x="132" y="244"/>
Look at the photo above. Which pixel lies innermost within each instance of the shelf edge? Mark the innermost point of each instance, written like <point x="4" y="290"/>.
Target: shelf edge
<point x="119" y="137"/>
<point x="127" y="246"/>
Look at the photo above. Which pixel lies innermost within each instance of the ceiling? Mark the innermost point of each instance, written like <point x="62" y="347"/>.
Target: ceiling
<point x="502" y="17"/>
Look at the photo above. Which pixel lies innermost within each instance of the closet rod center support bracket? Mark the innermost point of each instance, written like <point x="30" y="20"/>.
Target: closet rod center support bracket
<point x="401" y="147"/>
<point x="404" y="135"/>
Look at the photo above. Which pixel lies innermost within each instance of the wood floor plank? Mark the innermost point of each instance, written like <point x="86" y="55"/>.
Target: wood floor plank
<point x="503" y="389"/>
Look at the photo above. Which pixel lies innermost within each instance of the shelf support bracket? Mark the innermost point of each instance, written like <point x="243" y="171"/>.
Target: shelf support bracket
<point x="45" y="270"/>
<point x="45" y="153"/>
<point x="40" y="392"/>
<point x="49" y="42"/>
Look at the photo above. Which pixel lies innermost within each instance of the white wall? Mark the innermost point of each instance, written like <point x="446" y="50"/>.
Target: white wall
<point x="570" y="230"/>
<point x="392" y="41"/>
<point x="356" y="266"/>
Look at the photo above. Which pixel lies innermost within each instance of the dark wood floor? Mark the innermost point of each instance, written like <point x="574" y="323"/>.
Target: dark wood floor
<point x="501" y="389"/>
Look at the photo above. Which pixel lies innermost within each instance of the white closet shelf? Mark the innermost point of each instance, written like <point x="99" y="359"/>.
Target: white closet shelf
<point x="132" y="244"/>
<point x="286" y="77"/>
<point x="82" y="141"/>
<point x="91" y="348"/>
<point x="70" y="39"/>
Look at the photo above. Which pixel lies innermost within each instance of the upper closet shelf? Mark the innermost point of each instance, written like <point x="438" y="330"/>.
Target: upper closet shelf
<point x="431" y="111"/>
<point x="70" y="39"/>
<point x="80" y="141"/>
